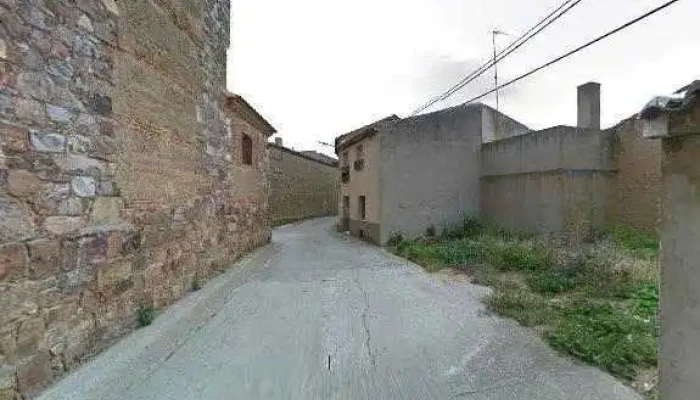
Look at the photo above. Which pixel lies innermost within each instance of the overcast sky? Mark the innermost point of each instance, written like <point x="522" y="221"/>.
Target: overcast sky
<point x="320" y="68"/>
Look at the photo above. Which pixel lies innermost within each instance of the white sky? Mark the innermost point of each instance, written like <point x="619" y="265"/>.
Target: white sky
<point x="320" y="68"/>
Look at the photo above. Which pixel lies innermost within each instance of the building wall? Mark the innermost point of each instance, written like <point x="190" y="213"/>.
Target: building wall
<point x="364" y="182"/>
<point x="430" y="170"/>
<point x="679" y="344"/>
<point x="497" y="126"/>
<point x="553" y="181"/>
<point x="300" y="186"/>
<point x="120" y="183"/>
<point x="636" y="187"/>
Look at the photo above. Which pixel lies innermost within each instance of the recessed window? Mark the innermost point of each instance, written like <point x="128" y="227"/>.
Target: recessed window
<point x="362" y="210"/>
<point x="247" y="150"/>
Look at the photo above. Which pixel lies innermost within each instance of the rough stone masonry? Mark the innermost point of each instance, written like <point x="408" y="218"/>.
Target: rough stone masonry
<point x="118" y="171"/>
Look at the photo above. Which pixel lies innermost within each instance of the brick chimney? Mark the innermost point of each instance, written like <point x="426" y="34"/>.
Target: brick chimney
<point x="279" y="141"/>
<point x="589" y="106"/>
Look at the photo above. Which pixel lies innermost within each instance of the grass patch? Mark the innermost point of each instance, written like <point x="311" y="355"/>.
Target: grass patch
<point x="642" y="244"/>
<point x="529" y="309"/>
<point x="611" y="336"/>
<point x="597" y="302"/>
<point x="145" y="316"/>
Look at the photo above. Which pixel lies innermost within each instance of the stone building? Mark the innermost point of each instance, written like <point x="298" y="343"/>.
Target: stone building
<point x="407" y="175"/>
<point x="302" y="184"/>
<point x="126" y="172"/>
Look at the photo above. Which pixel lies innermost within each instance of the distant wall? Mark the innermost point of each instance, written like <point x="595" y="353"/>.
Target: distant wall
<point x="300" y="186"/>
<point x="636" y="187"/>
<point x="430" y="170"/>
<point x="553" y="181"/>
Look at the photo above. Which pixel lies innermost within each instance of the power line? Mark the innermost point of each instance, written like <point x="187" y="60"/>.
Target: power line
<point x="525" y="37"/>
<point x="576" y="50"/>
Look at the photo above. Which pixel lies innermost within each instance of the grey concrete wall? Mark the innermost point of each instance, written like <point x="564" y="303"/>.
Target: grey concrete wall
<point x="553" y="181"/>
<point x="496" y="126"/>
<point x="430" y="170"/>
<point x="680" y="259"/>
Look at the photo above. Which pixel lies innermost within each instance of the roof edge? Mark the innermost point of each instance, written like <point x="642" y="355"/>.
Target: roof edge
<point x="237" y="103"/>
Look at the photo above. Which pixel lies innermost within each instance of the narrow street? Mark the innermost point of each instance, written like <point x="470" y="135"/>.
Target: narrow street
<point x="318" y="315"/>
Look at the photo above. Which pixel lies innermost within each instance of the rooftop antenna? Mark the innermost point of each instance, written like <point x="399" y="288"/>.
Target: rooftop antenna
<point x="495" y="33"/>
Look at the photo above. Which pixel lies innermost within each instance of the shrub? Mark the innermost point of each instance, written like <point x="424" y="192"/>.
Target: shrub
<point x="430" y="231"/>
<point x="395" y="239"/>
<point x="468" y="227"/>
<point x="145" y="316"/>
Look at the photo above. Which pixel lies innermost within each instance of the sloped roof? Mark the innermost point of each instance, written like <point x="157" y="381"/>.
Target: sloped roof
<point x="319" y="156"/>
<point x="357" y="135"/>
<point x="242" y="108"/>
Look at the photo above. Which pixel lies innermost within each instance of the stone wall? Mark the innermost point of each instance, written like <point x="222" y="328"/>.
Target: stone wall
<point x="119" y="184"/>
<point x="553" y="181"/>
<point x="301" y="186"/>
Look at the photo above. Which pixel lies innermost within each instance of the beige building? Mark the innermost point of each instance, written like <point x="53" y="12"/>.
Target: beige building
<point x="409" y="175"/>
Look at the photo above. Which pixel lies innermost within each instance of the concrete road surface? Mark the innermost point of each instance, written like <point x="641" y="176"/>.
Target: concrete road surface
<point x="318" y="315"/>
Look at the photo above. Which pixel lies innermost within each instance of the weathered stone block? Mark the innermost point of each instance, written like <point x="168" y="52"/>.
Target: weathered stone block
<point x="106" y="210"/>
<point x="16" y="222"/>
<point x="92" y="250"/>
<point x="72" y="207"/>
<point x="79" y="164"/>
<point x="44" y="257"/>
<point x="63" y="225"/>
<point x="13" y="260"/>
<point x="115" y="277"/>
<point x="59" y="114"/>
<point x="30" y="337"/>
<point x="34" y="373"/>
<point x="30" y="111"/>
<point x="84" y="186"/>
<point x="48" y="142"/>
<point x="8" y="382"/>
<point x="14" y="139"/>
<point x="101" y="105"/>
<point x="21" y="183"/>
<point x="85" y="23"/>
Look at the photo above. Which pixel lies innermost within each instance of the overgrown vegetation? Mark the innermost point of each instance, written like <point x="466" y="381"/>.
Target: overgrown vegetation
<point x="145" y="316"/>
<point x="597" y="301"/>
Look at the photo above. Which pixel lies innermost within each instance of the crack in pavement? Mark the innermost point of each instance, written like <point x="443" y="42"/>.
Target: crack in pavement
<point x="365" y="325"/>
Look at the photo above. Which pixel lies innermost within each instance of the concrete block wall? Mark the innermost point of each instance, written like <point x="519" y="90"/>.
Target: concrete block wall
<point x="301" y="186"/>
<point x="117" y="173"/>
<point x="553" y="181"/>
